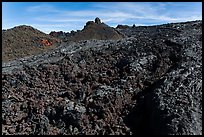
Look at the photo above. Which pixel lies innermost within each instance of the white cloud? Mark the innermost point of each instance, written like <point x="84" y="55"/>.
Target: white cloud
<point x="114" y="13"/>
<point x="44" y="7"/>
<point x="57" y="19"/>
<point x="157" y="11"/>
<point x="47" y="28"/>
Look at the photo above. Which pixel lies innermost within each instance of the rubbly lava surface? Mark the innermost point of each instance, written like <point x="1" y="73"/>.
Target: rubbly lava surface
<point x="148" y="82"/>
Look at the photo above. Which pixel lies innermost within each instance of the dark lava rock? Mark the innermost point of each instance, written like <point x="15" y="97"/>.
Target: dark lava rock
<point x="149" y="83"/>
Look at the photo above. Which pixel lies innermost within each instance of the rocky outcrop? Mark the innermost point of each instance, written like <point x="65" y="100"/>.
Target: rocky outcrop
<point x="59" y="34"/>
<point x="122" y="27"/>
<point x="148" y="83"/>
<point x="97" y="21"/>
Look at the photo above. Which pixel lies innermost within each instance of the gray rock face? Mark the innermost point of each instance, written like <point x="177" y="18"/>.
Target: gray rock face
<point x="149" y="83"/>
<point x="179" y="95"/>
<point x="173" y="104"/>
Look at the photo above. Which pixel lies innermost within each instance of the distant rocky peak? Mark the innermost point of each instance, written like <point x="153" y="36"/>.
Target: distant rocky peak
<point x="97" y="20"/>
<point x="89" y="23"/>
<point x="94" y="29"/>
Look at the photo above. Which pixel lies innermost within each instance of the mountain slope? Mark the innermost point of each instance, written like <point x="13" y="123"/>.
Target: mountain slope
<point x="22" y="41"/>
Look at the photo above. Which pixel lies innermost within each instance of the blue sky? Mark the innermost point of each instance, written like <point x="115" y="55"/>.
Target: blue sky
<point x="67" y="16"/>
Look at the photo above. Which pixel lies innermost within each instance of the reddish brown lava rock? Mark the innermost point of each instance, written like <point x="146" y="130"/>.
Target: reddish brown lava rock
<point x="45" y="42"/>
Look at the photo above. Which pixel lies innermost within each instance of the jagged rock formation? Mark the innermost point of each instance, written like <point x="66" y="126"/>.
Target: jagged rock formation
<point x="22" y="41"/>
<point x="92" y="30"/>
<point x="122" y="27"/>
<point x="147" y="83"/>
<point x="59" y="34"/>
<point x="97" y="21"/>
